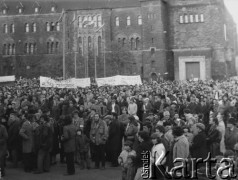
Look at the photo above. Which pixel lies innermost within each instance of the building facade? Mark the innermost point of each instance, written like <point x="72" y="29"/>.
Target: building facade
<point x="173" y="39"/>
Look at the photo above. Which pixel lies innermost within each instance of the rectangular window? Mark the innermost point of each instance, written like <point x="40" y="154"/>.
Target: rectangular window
<point x="202" y="17"/>
<point x="186" y="18"/>
<point x="191" y="18"/>
<point x="196" y="18"/>
<point x="181" y="19"/>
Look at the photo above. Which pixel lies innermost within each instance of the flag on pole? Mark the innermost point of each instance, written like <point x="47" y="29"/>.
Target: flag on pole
<point x="100" y="27"/>
<point x="74" y="18"/>
<point x="61" y="16"/>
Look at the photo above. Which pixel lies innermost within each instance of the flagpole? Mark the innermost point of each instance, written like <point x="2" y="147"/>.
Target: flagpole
<point x="104" y="54"/>
<point x="64" y="75"/>
<point x="95" y="61"/>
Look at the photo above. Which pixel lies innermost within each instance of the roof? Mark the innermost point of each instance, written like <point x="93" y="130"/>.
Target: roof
<point x="45" y="5"/>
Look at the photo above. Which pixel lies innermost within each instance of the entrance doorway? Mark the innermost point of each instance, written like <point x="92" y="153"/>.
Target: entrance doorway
<point x="192" y="70"/>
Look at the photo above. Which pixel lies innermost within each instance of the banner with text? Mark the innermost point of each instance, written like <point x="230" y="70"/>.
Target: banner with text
<point x="68" y="83"/>
<point x="7" y="78"/>
<point x="119" y="80"/>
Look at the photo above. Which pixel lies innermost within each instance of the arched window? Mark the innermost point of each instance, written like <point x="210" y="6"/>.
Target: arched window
<point x="80" y="45"/>
<point x="48" y="47"/>
<point x="89" y="43"/>
<point x="52" y="47"/>
<point x="31" y="48"/>
<point x="139" y="20"/>
<point x="53" y="9"/>
<point x="26" y="27"/>
<point x="99" y="20"/>
<point x="99" y="45"/>
<point x="84" y="44"/>
<point x="35" y="48"/>
<point x="9" y="49"/>
<point x="80" y="21"/>
<point x="20" y="10"/>
<point x="34" y="27"/>
<point x="4" y="49"/>
<point x="117" y="21"/>
<point x="13" y="49"/>
<point x="128" y="21"/>
<point x="47" y="26"/>
<point x="56" y="47"/>
<point x="12" y="28"/>
<point x="36" y="9"/>
<point x="137" y="43"/>
<point x="57" y="26"/>
<point x="52" y="28"/>
<point x="123" y="42"/>
<point x="132" y="43"/>
<point x="26" y="48"/>
<point x="4" y="11"/>
<point x="5" y="28"/>
<point x="119" y="41"/>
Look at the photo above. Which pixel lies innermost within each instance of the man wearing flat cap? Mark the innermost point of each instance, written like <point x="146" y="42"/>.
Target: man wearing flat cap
<point x="231" y="136"/>
<point x="199" y="148"/>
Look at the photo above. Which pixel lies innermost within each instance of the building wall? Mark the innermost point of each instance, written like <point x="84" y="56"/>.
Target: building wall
<point x="163" y="39"/>
<point x="202" y="38"/>
<point x="20" y="38"/>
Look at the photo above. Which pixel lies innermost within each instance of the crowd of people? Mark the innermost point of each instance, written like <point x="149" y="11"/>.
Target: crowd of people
<point x="117" y="124"/>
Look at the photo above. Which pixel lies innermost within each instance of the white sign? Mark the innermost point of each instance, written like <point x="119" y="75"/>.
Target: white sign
<point x="69" y="83"/>
<point x="119" y="80"/>
<point x="7" y="78"/>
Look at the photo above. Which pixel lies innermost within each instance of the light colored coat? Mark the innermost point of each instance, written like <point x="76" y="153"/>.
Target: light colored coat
<point x="26" y="132"/>
<point x="181" y="148"/>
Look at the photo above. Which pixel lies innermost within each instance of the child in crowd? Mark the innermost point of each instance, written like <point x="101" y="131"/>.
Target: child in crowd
<point x="126" y="161"/>
<point x="82" y="149"/>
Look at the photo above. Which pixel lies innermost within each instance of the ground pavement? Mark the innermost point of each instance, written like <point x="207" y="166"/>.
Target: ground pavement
<point x="58" y="170"/>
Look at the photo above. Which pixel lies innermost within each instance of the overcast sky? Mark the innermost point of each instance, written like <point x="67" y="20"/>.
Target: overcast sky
<point x="232" y="5"/>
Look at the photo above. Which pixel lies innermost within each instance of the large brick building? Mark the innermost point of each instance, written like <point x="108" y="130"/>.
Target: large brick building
<point x="176" y="39"/>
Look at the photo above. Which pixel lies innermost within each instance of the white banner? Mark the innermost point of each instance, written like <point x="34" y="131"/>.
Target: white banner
<point x="129" y="80"/>
<point x="7" y="78"/>
<point x="119" y="80"/>
<point x="69" y="83"/>
<point x="111" y="81"/>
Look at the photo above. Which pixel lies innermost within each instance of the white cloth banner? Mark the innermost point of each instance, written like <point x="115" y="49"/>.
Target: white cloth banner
<point x="119" y="80"/>
<point x="68" y="83"/>
<point x="7" y="78"/>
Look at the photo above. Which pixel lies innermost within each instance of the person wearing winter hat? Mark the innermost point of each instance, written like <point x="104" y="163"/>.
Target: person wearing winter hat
<point x="231" y="135"/>
<point x="199" y="144"/>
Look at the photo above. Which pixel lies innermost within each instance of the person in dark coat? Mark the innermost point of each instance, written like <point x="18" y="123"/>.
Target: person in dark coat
<point x="144" y="147"/>
<point x="68" y="138"/>
<point x="3" y="148"/>
<point x="213" y="138"/>
<point x="113" y="107"/>
<point x="231" y="135"/>
<point x="45" y="146"/>
<point x="14" y="140"/>
<point x="114" y="142"/>
<point x="27" y="134"/>
<point x="199" y="144"/>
